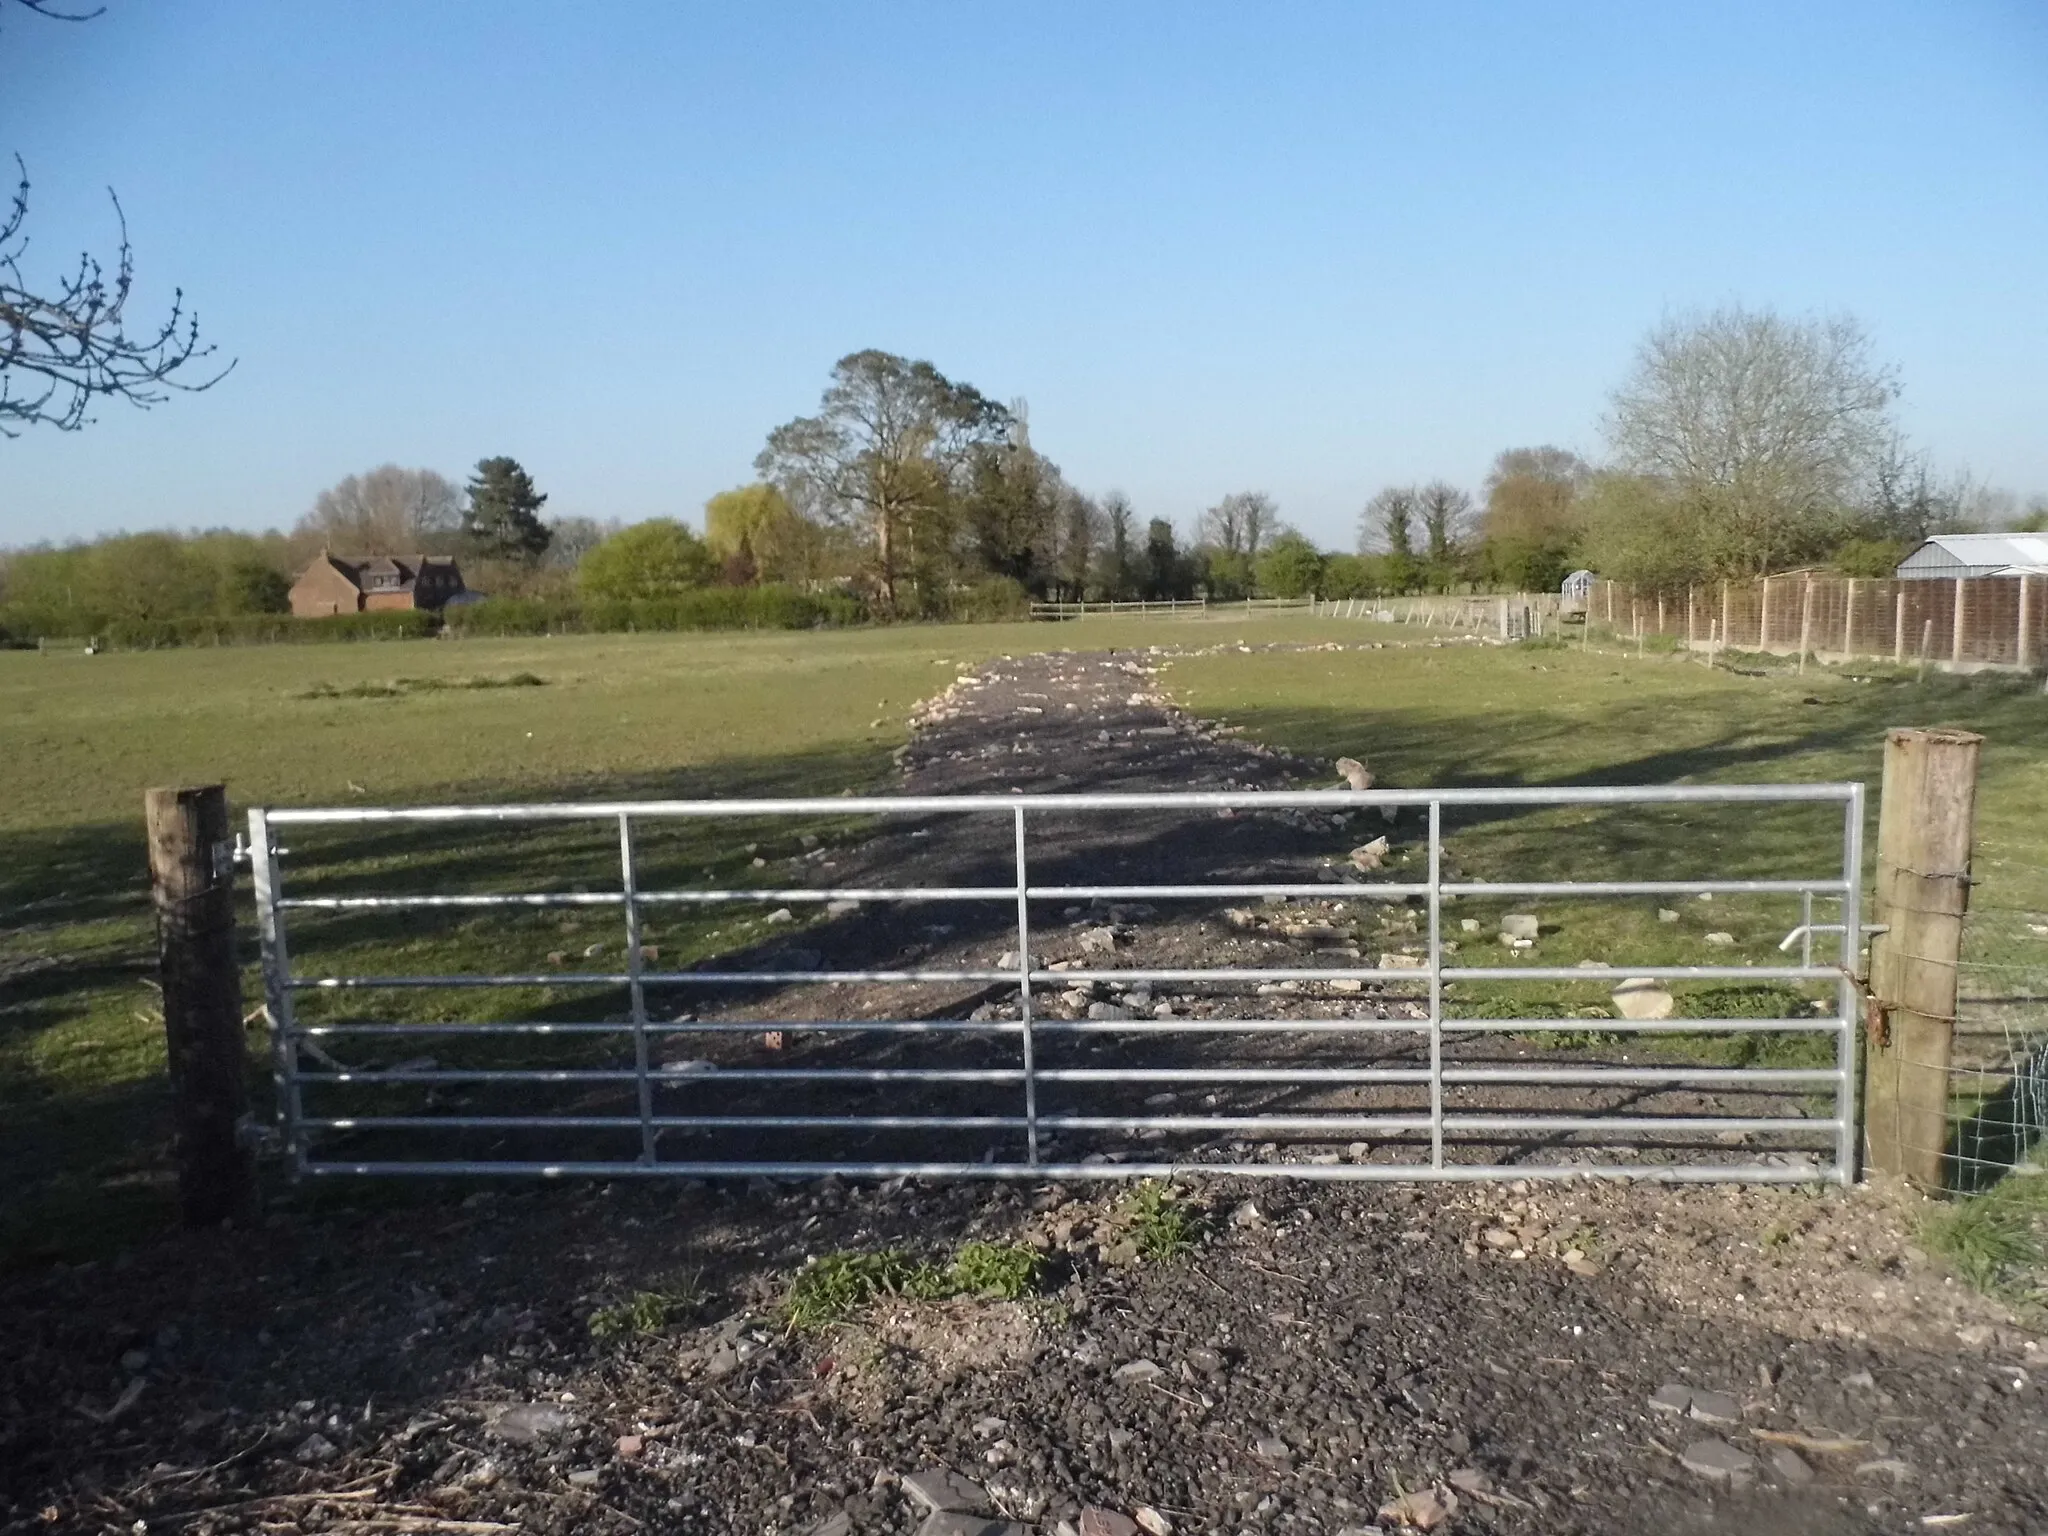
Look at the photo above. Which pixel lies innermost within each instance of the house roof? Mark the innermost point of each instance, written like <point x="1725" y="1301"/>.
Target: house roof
<point x="407" y="568"/>
<point x="1980" y="553"/>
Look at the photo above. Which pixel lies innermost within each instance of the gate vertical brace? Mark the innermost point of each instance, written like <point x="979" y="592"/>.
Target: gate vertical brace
<point x="1436" y="985"/>
<point x="277" y="991"/>
<point x="1849" y="994"/>
<point x="1024" y="996"/>
<point x="637" y="991"/>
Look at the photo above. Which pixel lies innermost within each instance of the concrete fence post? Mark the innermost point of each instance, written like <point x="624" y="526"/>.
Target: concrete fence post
<point x="1899" y="627"/>
<point x="2026" y="636"/>
<point x="1955" y="639"/>
<point x="192" y="882"/>
<point x="1926" y="819"/>
<point x="1805" y="624"/>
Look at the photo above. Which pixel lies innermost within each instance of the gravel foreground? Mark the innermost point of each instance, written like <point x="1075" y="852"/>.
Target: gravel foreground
<point x="1518" y="1357"/>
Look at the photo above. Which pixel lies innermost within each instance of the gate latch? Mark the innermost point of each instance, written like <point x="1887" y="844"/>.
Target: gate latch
<point x="1877" y="1023"/>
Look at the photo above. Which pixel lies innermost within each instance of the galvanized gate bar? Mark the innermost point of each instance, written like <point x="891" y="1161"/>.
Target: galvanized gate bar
<point x="1441" y="1122"/>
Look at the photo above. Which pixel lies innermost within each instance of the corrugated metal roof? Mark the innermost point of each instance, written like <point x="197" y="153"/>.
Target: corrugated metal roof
<point x="1980" y="554"/>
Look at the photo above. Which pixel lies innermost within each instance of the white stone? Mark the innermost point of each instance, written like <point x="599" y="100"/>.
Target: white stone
<point x="1520" y="925"/>
<point x="1641" y="997"/>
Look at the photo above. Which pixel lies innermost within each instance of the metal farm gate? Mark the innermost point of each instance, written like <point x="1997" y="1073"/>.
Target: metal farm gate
<point x="1414" y="1062"/>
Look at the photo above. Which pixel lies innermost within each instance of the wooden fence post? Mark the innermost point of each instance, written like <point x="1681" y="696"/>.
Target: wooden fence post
<point x="1925" y="822"/>
<point x="192" y="880"/>
<point x="1805" y="625"/>
<point x="1899" y="627"/>
<point x="1956" y="630"/>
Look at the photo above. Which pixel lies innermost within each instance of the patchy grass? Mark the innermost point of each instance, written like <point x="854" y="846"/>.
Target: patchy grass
<point x="647" y="1311"/>
<point x="399" y="687"/>
<point x="834" y="1286"/>
<point x="1998" y="1240"/>
<point x="84" y="1130"/>
<point x="84" y="1124"/>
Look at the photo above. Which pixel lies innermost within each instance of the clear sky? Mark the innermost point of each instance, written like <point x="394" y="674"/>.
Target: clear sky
<point x="1310" y="249"/>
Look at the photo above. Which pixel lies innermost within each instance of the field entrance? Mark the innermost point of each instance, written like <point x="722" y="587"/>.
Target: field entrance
<point x="1058" y="981"/>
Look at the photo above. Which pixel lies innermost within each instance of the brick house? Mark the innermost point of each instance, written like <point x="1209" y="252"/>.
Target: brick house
<point x="367" y="584"/>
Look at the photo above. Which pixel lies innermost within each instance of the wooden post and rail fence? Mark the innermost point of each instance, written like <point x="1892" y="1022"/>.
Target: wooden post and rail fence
<point x="1925" y="823"/>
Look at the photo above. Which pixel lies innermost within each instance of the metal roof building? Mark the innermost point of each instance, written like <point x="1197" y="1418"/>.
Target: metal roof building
<point x="1950" y="556"/>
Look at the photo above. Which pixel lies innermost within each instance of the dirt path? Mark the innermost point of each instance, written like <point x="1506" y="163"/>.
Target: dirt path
<point x="1097" y="722"/>
<point x="421" y="1359"/>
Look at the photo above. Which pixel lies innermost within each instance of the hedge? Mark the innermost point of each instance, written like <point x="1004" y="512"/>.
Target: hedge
<point x="239" y="629"/>
<point x="768" y="607"/>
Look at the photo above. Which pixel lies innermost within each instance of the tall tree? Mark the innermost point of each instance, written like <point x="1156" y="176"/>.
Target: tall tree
<point x="66" y="344"/>
<point x="1388" y="523"/>
<point x="1239" y="524"/>
<point x="1012" y="506"/>
<point x="1445" y="510"/>
<point x="1165" y="572"/>
<point x="885" y="454"/>
<point x="387" y="511"/>
<point x="1770" y="428"/>
<point x="1533" y="518"/>
<point x="1080" y="535"/>
<point x="1117" y="579"/>
<point x="502" y="520"/>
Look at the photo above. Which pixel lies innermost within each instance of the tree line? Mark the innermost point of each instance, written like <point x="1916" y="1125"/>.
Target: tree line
<point x="1740" y="443"/>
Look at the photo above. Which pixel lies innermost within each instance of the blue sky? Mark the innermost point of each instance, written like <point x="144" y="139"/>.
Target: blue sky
<point x="1309" y="249"/>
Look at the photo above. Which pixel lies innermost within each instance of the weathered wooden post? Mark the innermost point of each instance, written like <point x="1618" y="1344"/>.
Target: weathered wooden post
<point x="1925" y="822"/>
<point x="192" y="881"/>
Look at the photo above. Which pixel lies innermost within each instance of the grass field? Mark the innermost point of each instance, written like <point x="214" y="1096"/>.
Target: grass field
<point x="82" y="1127"/>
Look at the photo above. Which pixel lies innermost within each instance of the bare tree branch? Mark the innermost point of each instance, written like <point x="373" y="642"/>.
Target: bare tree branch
<point x="62" y="348"/>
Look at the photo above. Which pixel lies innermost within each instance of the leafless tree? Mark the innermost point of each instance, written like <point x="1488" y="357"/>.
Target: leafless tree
<point x="388" y="511"/>
<point x="65" y="345"/>
<point x="1552" y="465"/>
<point x="1388" y="522"/>
<point x="1446" y="511"/>
<point x="1770" y="427"/>
<point x="1239" y="524"/>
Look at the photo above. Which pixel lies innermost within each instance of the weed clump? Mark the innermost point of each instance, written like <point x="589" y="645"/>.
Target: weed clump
<point x="1160" y="1226"/>
<point x="644" y="1312"/>
<point x="1998" y="1240"/>
<point x="834" y="1286"/>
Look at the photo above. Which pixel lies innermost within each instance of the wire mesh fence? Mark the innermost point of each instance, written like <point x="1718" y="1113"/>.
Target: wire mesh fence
<point x="1988" y="621"/>
<point x="1998" y="1068"/>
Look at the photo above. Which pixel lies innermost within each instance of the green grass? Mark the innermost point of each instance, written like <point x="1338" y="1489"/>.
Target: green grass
<point x="84" y="1132"/>
<point x="834" y="1286"/>
<point x="83" y="1127"/>
<point x="1468" y="716"/>
<point x="1998" y="1240"/>
<point x="646" y="1311"/>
